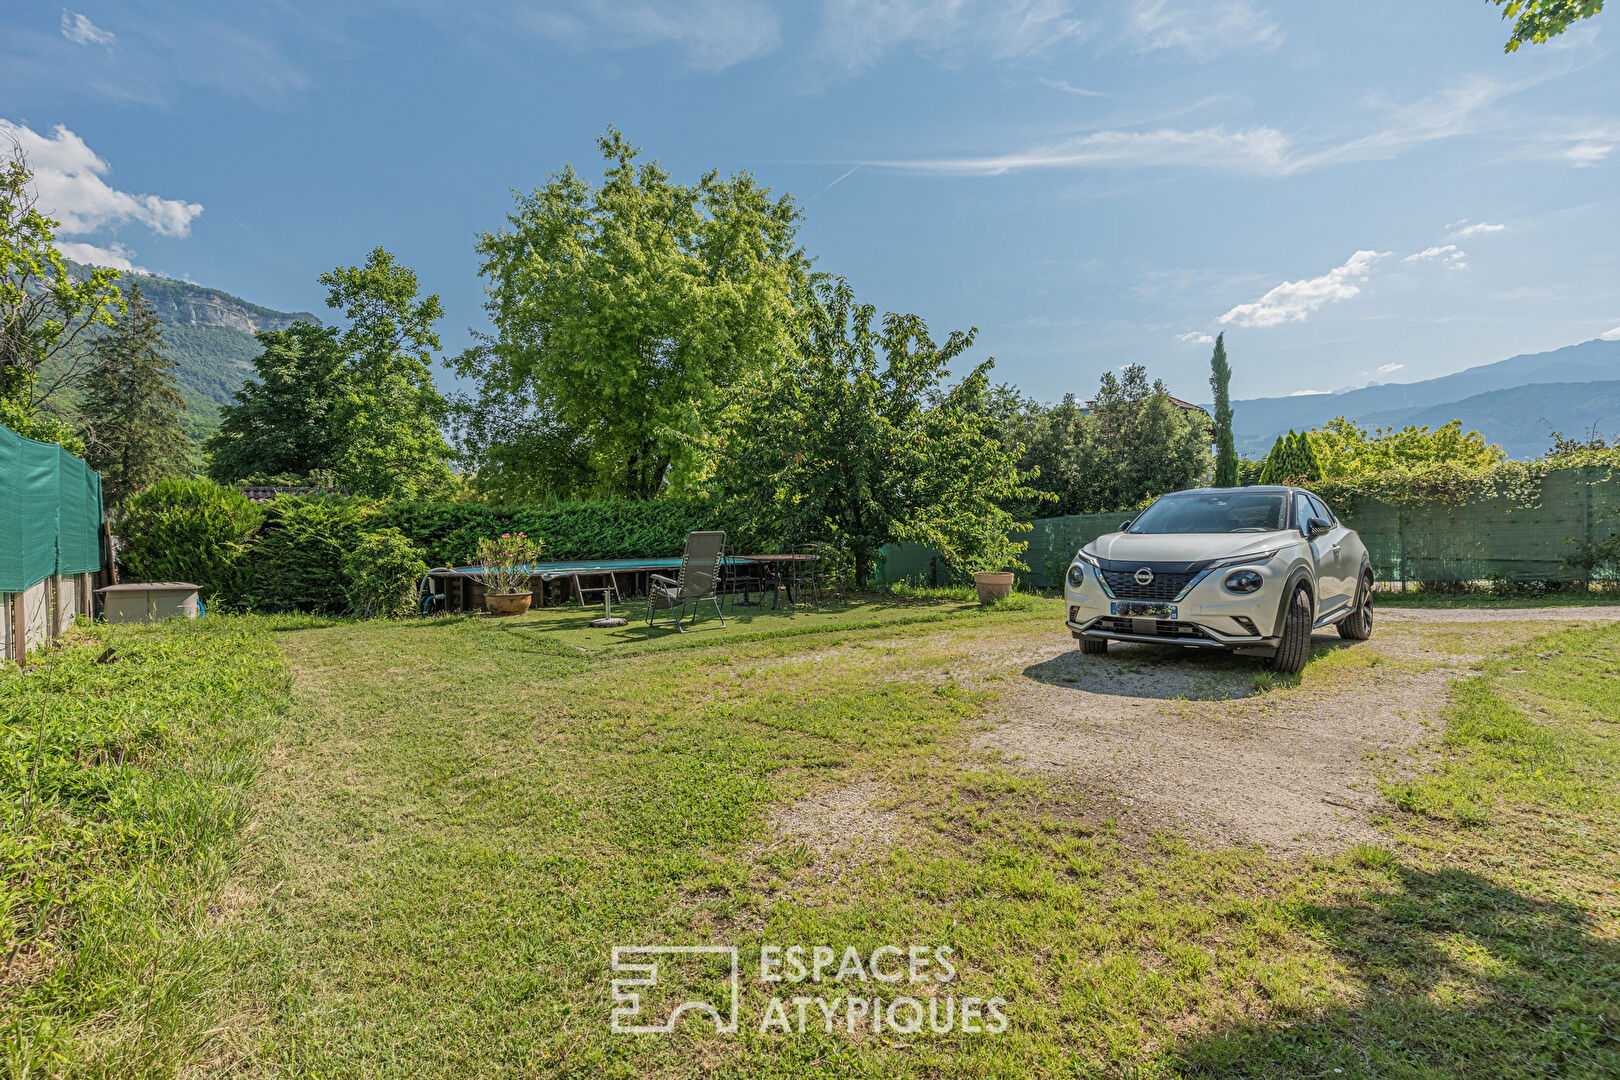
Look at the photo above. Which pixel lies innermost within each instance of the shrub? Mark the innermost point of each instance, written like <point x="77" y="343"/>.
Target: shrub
<point x="383" y="570"/>
<point x="299" y="562"/>
<point x="190" y="530"/>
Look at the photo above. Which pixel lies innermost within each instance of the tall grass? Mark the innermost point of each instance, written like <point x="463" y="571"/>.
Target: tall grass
<point x="123" y="795"/>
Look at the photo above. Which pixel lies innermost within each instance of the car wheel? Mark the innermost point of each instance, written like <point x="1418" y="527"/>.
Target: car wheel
<point x="1093" y="646"/>
<point x="1295" y="647"/>
<point x="1357" y="626"/>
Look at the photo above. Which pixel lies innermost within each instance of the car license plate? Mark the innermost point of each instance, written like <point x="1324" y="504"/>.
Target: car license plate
<point x="1129" y="609"/>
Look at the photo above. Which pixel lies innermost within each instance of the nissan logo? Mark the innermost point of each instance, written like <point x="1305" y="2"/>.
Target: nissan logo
<point x="1144" y="576"/>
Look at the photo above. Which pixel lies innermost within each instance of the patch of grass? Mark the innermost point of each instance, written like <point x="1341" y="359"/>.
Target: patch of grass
<point x="125" y="790"/>
<point x="465" y="815"/>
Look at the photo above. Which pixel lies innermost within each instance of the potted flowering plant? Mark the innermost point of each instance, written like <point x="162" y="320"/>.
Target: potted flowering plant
<point x="504" y="567"/>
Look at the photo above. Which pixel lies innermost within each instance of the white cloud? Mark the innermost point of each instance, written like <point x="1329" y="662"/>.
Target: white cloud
<point x="1584" y="155"/>
<point x="856" y="34"/>
<point x="1067" y="88"/>
<point x="69" y="178"/>
<point x="1197" y="337"/>
<point x="1292" y="301"/>
<point x="1309" y="393"/>
<point x="1611" y="335"/>
<point x="115" y="255"/>
<point x="1202" y="30"/>
<point x="1454" y="257"/>
<point x="1257" y="150"/>
<point x="1389" y="369"/>
<point x="1472" y="230"/>
<point x="81" y="31"/>
<point x="714" y="34"/>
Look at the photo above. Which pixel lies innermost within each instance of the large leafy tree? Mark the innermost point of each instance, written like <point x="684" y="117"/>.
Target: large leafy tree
<point x="1129" y="443"/>
<point x="355" y="407"/>
<point x="626" y="313"/>
<point x="1540" y="21"/>
<point x="46" y="314"/>
<point x="1220" y="384"/>
<point x="859" y="439"/>
<point x="130" y="414"/>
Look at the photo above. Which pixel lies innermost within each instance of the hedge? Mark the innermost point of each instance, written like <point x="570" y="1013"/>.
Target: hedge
<point x="300" y="553"/>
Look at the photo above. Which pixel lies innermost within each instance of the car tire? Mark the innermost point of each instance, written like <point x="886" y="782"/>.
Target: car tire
<point x="1295" y="647"/>
<point x="1093" y="646"/>
<point x="1357" y="626"/>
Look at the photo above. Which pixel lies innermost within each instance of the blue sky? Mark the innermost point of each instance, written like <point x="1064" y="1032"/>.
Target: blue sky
<point x="1353" y="192"/>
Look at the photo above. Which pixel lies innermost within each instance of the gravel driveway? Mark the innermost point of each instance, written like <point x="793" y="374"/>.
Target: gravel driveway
<point x="1189" y="741"/>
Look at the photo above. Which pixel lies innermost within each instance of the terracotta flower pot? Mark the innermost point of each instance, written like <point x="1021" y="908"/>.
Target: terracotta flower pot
<point x="996" y="586"/>
<point x="515" y="603"/>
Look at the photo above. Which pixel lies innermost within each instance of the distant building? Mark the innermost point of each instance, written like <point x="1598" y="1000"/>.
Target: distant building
<point x="1184" y="406"/>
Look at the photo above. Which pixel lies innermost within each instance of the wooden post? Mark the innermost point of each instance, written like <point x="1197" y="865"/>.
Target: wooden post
<point x="53" y="620"/>
<point x="19" y="629"/>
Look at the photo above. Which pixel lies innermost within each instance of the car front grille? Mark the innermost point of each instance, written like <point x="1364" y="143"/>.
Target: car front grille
<point x="1164" y="586"/>
<point x="1162" y="628"/>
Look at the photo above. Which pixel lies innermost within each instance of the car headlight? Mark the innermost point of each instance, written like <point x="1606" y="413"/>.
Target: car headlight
<point x="1077" y="575"/>
<point x="1244" y="581"/>
<point x="1258" y="558"/>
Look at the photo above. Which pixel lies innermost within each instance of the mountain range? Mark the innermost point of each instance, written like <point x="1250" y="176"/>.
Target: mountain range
<point x="209" y="335"/>
<point x="1515" y="403"/>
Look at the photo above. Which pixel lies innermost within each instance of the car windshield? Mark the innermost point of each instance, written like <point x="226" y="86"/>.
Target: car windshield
<point x="1215" y="512"/>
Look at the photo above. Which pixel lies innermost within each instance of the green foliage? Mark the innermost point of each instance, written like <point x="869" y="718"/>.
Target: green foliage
<point x="124" y="788"/>
<point x="607" y="529"/>
<point x="1130" y="445"/>
<point x="1540" y="21"/>
<point x="1346" y="451"/>
<point x="46" y="313"/>
<point x="283" y="421"/>
<point x="1220" y="384"/>
<point x="507" y="561"/>
<point x="299" y="561"/>
<point x="130" y="414"/>
<point x="358" y="403"/>
<point x="1291" y="461"/>
<point x="189" y="530"/>
<point x="858" y="440"/>
<point x="625" y="314"/>
<point x="383" y="570"/>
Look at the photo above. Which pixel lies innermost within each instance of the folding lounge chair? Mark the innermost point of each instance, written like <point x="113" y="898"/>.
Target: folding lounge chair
<point x="698" y="582"/>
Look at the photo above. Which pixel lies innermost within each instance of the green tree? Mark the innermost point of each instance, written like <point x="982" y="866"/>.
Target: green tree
<point x="1150" y="446"/>
<point x="1220" y="382"/>
<point x="1275" y="460"/>
<point x="626" y="314"/>
<point x="1062" y="455"/>
<point x="46" y="315"/>
<point x="357" y="405"/>
<point x="1345" y="450"/>
<point x="390" y="410"/>
<point x="858" y="439"/>
<point x="283" y="421"/>
<point x="1539" y="21"/>
<point x="130" y="415"/>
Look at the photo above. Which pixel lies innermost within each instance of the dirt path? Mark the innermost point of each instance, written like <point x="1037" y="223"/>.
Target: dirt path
<point x="1191" y="742"/>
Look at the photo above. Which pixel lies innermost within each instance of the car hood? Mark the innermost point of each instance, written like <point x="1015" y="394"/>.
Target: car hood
<point x="1184" y="547"/>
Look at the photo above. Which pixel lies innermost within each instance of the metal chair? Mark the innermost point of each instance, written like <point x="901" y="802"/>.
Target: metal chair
<point x="824" y="573"/>
<point x="698" y="582"/>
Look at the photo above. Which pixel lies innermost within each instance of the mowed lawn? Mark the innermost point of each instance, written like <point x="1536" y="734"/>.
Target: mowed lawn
<point x="462" y="817"/>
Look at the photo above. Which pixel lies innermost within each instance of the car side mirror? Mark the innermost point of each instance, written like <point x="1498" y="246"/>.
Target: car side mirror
<point x="1125" y="524"/>
<point x="1316" y="526"/>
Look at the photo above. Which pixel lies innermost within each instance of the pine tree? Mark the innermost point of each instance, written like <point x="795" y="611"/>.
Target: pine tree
<point x="131" y="409"/>
<point x="1220" y="379"/>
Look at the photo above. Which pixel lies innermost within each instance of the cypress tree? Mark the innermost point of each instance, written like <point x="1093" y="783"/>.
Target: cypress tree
<point x="1274" y="462"/>
<point x="132" y="406"/>
<point x="1220" y="379"/>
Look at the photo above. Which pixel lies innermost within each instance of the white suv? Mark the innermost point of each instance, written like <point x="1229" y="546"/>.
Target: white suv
<point x="1253" y="570"/>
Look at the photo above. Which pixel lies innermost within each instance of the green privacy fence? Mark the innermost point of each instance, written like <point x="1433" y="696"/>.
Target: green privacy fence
<point x="1526" y="539"/>
<point x="50" y="513"/>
